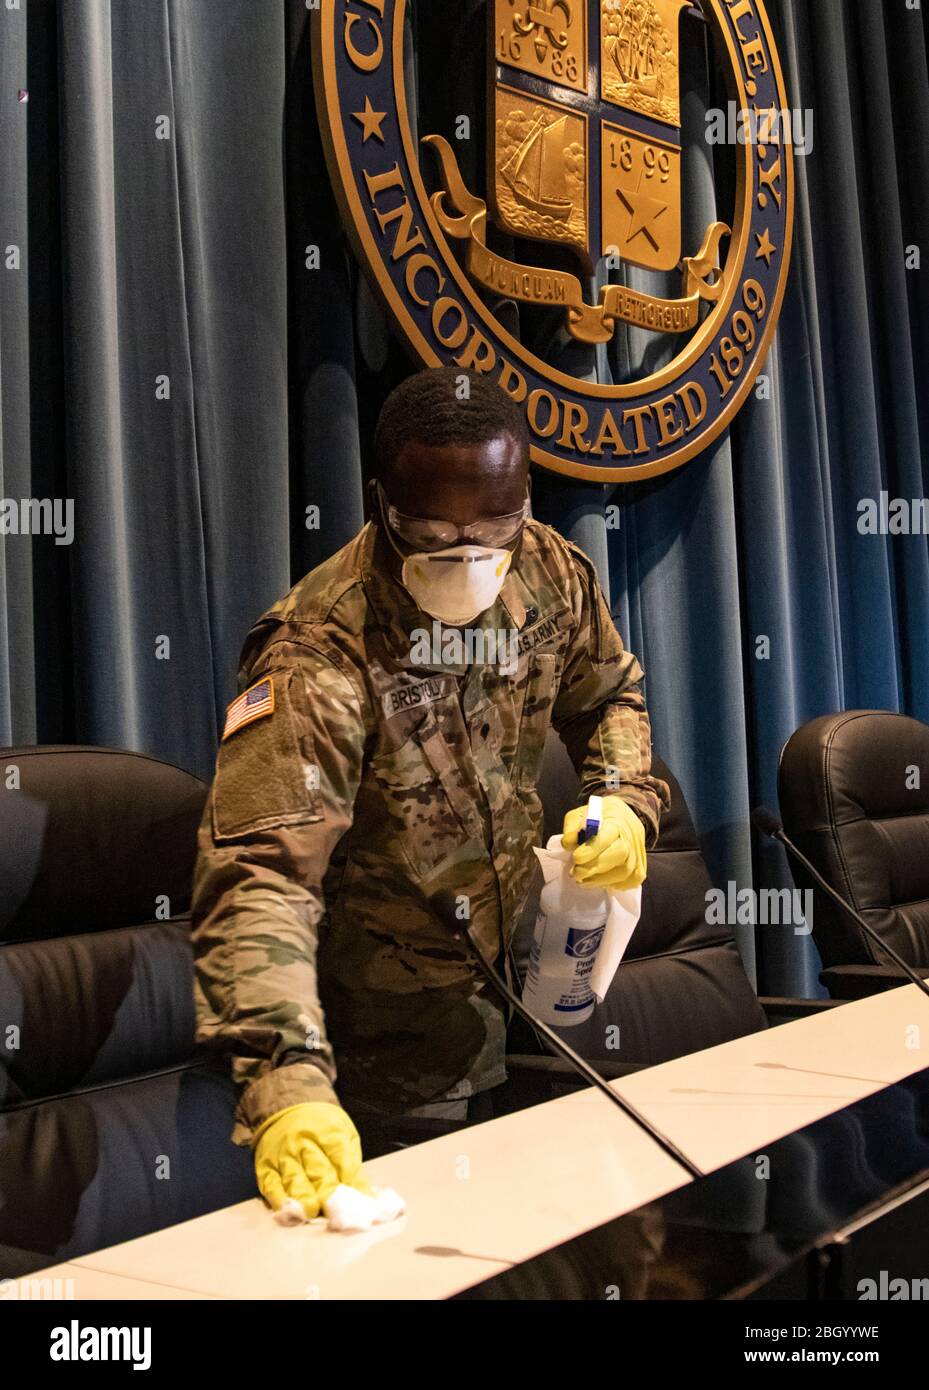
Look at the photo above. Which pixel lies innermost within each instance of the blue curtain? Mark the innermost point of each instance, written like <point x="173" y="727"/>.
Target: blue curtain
<point x="161" y="186"/>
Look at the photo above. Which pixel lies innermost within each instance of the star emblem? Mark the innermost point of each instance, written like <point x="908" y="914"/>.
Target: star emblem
<point x="370" y="121"/>
<point x="766" y="247"/>
<point x="643" y="209"/>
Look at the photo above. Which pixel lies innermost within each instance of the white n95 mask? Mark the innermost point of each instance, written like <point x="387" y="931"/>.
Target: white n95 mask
<point x="458" y="585"/>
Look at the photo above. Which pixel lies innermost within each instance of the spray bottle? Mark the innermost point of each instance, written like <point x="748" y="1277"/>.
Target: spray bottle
<point x="581" y="934"/>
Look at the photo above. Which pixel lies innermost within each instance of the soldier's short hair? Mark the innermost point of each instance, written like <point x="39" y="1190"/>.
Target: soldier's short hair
<point x="445" y="405"/>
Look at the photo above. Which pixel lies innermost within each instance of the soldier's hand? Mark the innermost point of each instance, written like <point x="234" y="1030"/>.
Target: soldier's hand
<point x="304" y="1152"/>
<point x="615" y="857"/>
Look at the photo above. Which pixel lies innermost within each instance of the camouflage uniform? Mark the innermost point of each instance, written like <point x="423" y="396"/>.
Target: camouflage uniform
<point x="376" y="781"/>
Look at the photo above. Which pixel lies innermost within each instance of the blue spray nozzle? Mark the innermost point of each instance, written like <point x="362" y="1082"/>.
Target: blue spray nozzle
<point x="594" y="820"/>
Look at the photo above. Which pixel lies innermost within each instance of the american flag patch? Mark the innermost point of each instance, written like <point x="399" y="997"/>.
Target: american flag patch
<point x="255" y="703"/>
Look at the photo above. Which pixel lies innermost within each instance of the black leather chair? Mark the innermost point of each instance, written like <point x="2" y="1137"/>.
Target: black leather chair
<point x="110" y="1124"/>
<point x="109" y="1127"/>
<point x="854" y="795"/>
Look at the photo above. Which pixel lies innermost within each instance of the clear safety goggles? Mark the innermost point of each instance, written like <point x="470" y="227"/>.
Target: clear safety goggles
<point x="424" y="534"/>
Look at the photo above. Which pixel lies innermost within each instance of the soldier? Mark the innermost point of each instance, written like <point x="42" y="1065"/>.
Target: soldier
<point x="386" y="746"/>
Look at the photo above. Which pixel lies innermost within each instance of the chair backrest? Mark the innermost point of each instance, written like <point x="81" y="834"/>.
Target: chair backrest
<point x="110" y="1126"/>
<point x="854" y="795"/>
<point x="93" y="838"/>
<point x="681" y="986"/>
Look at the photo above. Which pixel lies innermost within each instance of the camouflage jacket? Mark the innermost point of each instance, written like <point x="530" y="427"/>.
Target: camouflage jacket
<point x="371" y="765"/>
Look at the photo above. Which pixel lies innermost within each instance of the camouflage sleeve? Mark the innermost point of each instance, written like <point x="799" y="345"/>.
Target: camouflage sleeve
<point x="281" y="799"/>
<point x="600" y="712"/>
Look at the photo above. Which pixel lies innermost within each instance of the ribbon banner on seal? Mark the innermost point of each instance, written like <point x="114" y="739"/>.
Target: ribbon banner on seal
<point x="589" y="323"/>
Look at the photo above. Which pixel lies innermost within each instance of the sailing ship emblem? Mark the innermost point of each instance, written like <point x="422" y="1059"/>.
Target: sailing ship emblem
<point x="640" y="58"/>
<point x="635" y="67"/>
<point x="540" y="187"/>
<point x="535" y="173"/>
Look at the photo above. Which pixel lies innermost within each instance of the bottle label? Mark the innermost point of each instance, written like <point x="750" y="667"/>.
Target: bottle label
<point x="583" y="942"/>
<point x="565" y="988"/>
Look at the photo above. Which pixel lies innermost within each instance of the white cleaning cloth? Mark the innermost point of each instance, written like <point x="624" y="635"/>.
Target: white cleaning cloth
<point x="348" y="1209"/>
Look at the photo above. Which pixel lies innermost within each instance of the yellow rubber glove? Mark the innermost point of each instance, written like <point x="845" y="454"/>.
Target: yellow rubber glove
<point x="304" y="1152"/>
<point x="615" y="857"/>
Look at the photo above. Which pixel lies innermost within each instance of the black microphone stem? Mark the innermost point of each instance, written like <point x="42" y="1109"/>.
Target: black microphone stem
<point x="568" y="1053"/>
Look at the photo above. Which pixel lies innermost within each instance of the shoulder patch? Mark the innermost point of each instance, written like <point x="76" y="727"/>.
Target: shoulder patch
<point x="255" y="703"/>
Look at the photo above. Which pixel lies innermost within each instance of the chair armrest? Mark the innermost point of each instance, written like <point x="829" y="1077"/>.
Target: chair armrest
<point x="846" y="982"/>
<point x="783" y="1010"/>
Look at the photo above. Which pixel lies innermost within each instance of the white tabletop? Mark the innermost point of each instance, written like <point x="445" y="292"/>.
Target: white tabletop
<point x="503" y="1191"/>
